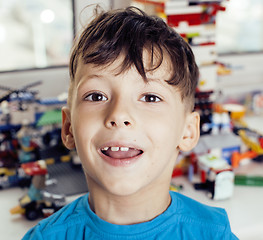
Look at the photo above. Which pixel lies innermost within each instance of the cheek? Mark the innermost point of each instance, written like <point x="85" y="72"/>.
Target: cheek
<point x="83" y="127"/>
<point x="165" y="129"/>
<point x="84" y="120"/>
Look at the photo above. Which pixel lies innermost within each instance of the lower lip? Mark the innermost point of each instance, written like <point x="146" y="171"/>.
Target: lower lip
<point x="125" y="162"/>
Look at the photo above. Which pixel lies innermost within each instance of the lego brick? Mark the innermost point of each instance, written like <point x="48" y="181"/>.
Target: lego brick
<point x="205" y="54"/>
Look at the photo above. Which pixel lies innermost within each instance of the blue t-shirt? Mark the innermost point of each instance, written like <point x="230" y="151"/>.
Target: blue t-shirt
<point x="184" y="219"/>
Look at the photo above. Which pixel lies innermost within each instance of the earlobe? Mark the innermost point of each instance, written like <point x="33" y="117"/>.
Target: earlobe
<point x="191" y="132"/>
<point x="66" y="130"/>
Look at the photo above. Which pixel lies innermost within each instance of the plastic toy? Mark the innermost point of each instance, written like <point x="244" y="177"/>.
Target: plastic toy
<point x="28" y="148"/>
<point x="10" y="172"/>
<point x="21" y="96"/>
<point x="236" y="111"/>
<point x="238" y="157"/>
<point x="252" y="139"/>
<point x="13" y="177"/>
<point x="249" y="180"/>
<point x="38" y="202"/>
<point x="221" y="145"/>
<point x="204" y="105"/>
<point x="257" y="104"/>
<point x="176" y="188"/>
<point x="22" y="103"/>
<point x="8" y="149"/>
<point x="217" y="177"/>
<point x="220" y="122"/>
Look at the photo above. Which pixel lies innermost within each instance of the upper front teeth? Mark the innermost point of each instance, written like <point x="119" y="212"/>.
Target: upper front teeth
<point x="124" y="149"/>
<point x="116" y="149"/>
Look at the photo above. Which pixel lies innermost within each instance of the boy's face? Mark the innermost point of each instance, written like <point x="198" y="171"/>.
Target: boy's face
<point x="127" y="132"/>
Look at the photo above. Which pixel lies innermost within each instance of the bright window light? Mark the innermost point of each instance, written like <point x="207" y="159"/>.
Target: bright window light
<point x="47" y="16"/>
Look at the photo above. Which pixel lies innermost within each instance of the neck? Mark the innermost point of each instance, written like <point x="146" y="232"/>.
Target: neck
<point x="129" y="209"/>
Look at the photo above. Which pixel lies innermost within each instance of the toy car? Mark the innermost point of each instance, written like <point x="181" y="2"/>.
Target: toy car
<point x="13" y="177"/>
<point x="32" y="210"/>
<point x="38" y="202"/>
<point x="217" y="177"/>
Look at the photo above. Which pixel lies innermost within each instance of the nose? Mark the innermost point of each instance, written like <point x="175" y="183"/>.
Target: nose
<point x="119" y="115"/>
<point x="117" y="124"/>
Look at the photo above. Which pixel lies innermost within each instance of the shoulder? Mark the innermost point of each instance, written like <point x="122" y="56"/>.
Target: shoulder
<point x="200" y="219"/>
<point x="196" y="210"/>
<point x="67" y="217"/>
<point x="67" y="214"/>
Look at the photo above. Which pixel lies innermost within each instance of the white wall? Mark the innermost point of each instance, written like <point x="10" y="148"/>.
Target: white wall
<point x="246" y="76"/>
<point x="84" y="9"/>
<point x="55" y="80"/>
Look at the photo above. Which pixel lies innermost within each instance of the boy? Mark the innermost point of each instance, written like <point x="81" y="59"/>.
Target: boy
<point x="129" y="114"/>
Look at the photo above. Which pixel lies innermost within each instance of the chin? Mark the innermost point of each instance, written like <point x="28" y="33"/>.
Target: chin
<point x="123" y="190"/>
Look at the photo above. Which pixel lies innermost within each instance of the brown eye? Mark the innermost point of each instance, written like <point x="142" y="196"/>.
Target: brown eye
<point x="96" y="97"/>
<point x="150" y="98"/>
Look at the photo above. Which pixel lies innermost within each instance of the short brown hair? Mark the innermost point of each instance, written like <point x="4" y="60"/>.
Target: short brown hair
<point x="130" y="31"/>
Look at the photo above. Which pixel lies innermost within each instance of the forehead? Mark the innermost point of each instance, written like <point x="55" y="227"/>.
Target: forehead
<point x="155" y="66"/>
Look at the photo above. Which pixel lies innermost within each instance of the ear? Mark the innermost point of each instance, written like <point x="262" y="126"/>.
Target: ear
<point x="66" y="130"/>
<point x="191" y="132"/>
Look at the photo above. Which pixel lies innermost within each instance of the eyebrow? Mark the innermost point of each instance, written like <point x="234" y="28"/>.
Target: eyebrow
<point x="85" y="78"/>
<point x="149" y="80"/>
<point x="93" y="76"/>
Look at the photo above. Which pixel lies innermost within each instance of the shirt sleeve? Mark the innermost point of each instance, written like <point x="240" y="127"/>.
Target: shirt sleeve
<point x="33" y="234"/>
<point x="229" y="235"/>
<point x="234" y="237"/>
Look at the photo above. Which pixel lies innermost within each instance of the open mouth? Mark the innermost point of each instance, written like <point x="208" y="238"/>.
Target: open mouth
<point x="121" y="152"/>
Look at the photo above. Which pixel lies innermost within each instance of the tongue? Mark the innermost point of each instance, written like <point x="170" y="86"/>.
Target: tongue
<point x="123" y="154"/>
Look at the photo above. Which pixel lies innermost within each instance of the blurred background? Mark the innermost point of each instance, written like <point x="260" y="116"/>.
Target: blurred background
<point x="224" y="170"/>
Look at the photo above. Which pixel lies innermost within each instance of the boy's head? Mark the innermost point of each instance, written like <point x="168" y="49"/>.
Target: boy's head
<point x="130" y="33"/>
<point x="132" y="91"/>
